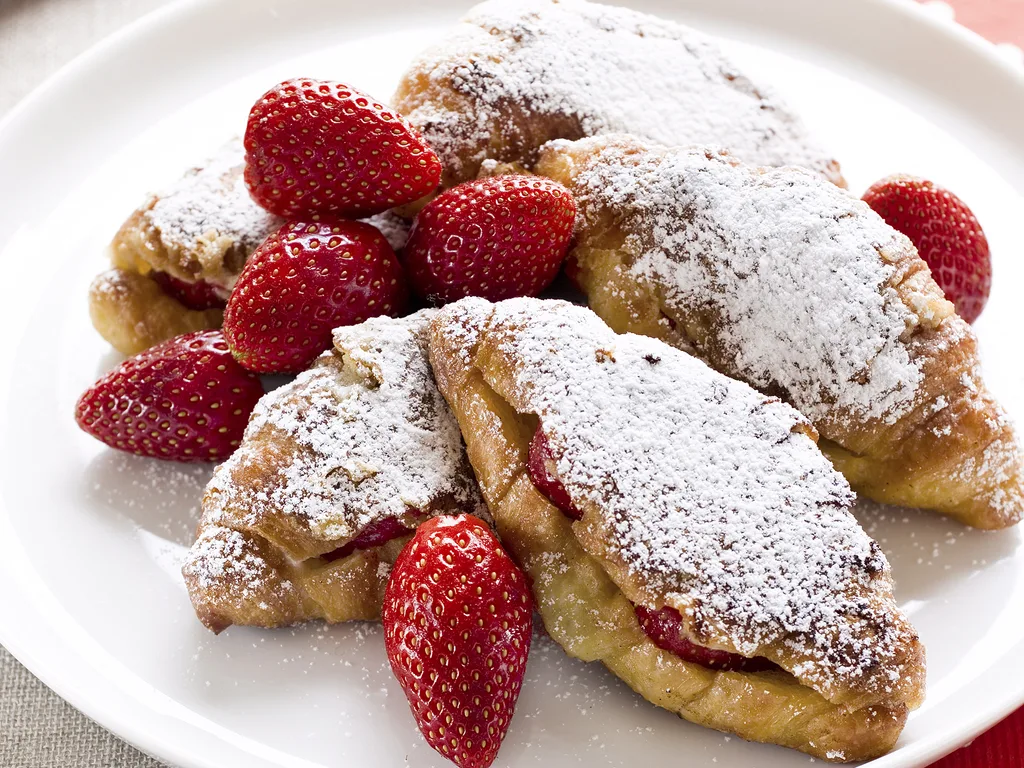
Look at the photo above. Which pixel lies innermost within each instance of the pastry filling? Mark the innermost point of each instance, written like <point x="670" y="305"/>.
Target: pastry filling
<point x="198" y="295"/>
<point x="373" y="535"/>
<point x="665" y="628"/>
<point x="663" y="625"/>
<point x="541" y="465"/>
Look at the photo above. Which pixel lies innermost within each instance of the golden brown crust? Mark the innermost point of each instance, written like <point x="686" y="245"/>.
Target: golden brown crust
<point x="513" y="76"/>
<point x="237" y="577"/>
<point x="951" y="449"/>
<point x="362" y="438"/>
<point x="583" y="603"/>
<point x="132" y="312"/>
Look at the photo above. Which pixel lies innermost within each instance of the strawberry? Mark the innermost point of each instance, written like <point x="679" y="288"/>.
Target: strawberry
<point x="304" y="280"/>
<point x="457" y="628"/>
<point x="185" y="399"/>
<point x="498" y="237"/>
<point x="197" y="295"/>
<point x="540" y="465"/>
<point x="946" y="234"/>
<point x="664" y="627"/>
<point x="318" y="146"/>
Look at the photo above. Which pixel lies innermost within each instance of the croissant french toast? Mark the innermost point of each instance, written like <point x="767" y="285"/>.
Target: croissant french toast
<point x="335" y="470"/>
<point x="516" y="74"/>
<point x="196" y="234"/>
<point x="794" y="286"/>
<point x="693" y="494"/>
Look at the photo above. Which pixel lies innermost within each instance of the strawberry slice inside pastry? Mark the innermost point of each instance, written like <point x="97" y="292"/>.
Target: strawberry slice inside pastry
<point x="665" y="628"/>
<point x="374" y="535"/>
<point x="196" y="295"/>
<point x="543" y="476"/>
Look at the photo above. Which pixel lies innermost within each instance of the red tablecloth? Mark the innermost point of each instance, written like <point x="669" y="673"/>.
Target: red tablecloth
<point x="1001" y="21"/>
<point x="1002" y="747"/>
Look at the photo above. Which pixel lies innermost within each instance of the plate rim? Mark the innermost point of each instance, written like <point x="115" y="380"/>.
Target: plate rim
<point x="112" y="709"/>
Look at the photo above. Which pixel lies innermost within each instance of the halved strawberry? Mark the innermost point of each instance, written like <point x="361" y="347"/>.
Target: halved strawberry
<point x="457" y="620"/>
<point x="185" y="399"/>
<point x="319" y="146"/>
<point x="304" y="280"/>
<point x="497" y="237"/>
<point x="946" y="234"/>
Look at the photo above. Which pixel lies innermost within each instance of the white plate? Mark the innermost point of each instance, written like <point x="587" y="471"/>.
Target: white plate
<point x="92" y="600"/>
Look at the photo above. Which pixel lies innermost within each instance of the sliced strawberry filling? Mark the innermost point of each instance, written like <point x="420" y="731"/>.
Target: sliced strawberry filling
<point x="198" y="295"/>
<point x="373" y="535"/>
<point x="540" y="465"/>
<point x="665" y="628"/>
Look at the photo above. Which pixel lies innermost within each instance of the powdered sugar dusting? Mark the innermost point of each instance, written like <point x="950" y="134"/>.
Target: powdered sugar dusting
<point x="371" y="437"/>
<point x="790" y="266"/>
<point x="224" y="556"/>
<point x="711" y="493"/>
<point x="210" y="203"/>
<point x="546" y="69"/>
<point x="209" y="214"/>
<point x="394" y="228"/>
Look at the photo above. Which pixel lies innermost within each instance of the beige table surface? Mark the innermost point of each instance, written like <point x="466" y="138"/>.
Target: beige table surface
<point x="37" y="728"/>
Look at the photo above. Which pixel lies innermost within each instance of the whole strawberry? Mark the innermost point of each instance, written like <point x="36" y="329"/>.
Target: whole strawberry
<point x="185" y="399"/>
<point x="946" y="234"/>
<point x="457" y="627"/>
<point x="304" y="280"/>
<point x="318" y="146"/>
<point x="497" y="238"/>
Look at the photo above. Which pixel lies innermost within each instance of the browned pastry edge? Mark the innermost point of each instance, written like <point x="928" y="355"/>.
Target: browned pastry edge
<point x="133" y="313"/>
<point x="261" y="586"/>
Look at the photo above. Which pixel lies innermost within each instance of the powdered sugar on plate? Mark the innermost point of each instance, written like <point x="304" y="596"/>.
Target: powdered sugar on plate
<point x="366" y="436"/>
<point x="789" y="267"/>
<point x="711" y="493"/>
<point x="536" y="70"/>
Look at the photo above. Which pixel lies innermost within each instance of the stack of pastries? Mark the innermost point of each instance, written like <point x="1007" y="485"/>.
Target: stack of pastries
<point x="759" y="346"/>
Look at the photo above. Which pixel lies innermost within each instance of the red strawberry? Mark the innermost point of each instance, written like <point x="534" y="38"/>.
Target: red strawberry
<point x="497" y="238"/>
<point x="946" y="234"/>
<point x="318" y="146"/>
<point x="185" y="399"/>
<point x="457" y="628"/>
<point x="540" y="465"/>
<point x="198" y="295"/>
<point x="304" y="280"/>
<point x="664" y="627"/>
